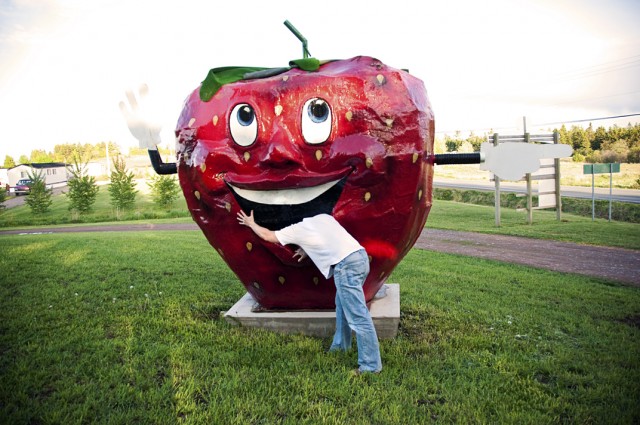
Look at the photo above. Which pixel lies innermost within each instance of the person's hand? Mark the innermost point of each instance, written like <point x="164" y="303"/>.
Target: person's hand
<point x="246" y="220"/>
<point x="300" y="252"/>
<point x="139" y="120"/>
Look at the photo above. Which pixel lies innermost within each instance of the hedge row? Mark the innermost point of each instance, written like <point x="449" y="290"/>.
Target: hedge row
<point x="620" y="211"/>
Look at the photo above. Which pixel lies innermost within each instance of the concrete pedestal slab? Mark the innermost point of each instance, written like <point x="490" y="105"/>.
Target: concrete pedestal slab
<point x="384" y="308"/>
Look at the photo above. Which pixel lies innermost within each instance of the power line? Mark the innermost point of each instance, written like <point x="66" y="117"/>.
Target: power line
<point x="566" y="76"/>
<point x="538" y="125"/>
<point x="595" y="98"/>
<point x="590" y="119"/>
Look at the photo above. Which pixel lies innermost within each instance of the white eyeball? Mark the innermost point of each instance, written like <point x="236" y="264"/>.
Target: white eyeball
<point x="243" y="124"/>
<point x="316" y="121"/>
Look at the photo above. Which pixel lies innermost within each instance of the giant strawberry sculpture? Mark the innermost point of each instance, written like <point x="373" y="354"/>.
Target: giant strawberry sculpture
<point x="351" y="138"/>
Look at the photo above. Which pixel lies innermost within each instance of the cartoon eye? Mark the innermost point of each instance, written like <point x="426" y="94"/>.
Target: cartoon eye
<point x="243" y="124"/>
<point x="316" y="121"/>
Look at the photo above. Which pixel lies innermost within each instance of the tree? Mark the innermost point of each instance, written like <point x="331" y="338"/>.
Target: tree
<point x="439" y="145"/>
<point x="122" y="188"/>
<point x="82" y="187"/>
<point x="599" y="138"/>
<point x="24" y="159"/>
<point x="164" y="190"/>
<point x="64" y="152"/>
<point x="9" y="162"/>
<point x="579" y="140"/>
<point x="100" y="150"/>
<point x="39" y="198"/>
<point x="476" y="141"/>
<point x="453" y="143"/>
<point x="40" y="156"/>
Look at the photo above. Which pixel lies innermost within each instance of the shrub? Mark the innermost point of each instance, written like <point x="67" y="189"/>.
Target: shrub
<point x="613" y="156"/>
<point x="82" y="187"/>
<point x="621" y="211"/>
<point x="39" y="198"/>
<point x="164" y="190"/>
<point x="634" y="155"/>
<point x="3" y="197"/>
<point x="122" y="188"/>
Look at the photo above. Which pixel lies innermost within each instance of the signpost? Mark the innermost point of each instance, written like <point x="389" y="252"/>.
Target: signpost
<point x="549" y="173"/>
<point x="594" y="169"/>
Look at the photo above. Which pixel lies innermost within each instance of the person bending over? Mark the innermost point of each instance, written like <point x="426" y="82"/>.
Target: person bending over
<point x="335" y="253"/>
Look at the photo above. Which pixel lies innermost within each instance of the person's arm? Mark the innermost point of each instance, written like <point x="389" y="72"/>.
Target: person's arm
<point x="262" y="232"/>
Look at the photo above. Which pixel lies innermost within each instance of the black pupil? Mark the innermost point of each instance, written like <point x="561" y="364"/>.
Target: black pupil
<point x="318" y="109"/>
<point x="245" y="115"/>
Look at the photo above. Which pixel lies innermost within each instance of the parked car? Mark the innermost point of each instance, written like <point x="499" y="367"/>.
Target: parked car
<point x="23" y="187"/>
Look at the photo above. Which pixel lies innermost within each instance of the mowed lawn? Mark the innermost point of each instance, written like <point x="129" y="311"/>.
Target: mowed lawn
<point x="125" y="328"/>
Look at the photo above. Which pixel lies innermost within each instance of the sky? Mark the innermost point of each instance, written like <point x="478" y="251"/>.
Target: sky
<point x="65" y="64"/>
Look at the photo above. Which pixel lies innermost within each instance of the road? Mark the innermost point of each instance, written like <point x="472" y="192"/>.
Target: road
<point x="620" y="195"/>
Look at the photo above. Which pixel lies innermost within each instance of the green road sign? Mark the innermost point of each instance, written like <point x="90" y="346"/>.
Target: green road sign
<point x="601" y="168"/>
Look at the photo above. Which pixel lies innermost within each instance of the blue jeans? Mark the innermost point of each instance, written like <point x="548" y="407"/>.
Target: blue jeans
<point x="352" y="313"/>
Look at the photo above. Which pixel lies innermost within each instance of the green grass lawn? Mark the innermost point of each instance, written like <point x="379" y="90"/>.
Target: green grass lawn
<point x="572" y="228"/>
<point x="102" y="211"/>
<point x="444" y="215"/>
<point x="125" y="328"/>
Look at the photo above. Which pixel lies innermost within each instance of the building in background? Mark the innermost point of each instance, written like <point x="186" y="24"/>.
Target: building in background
<point x="54" y="173"/>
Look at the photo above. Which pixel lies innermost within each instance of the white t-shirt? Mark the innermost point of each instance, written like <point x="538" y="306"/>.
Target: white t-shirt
<point x="324" y="240"/>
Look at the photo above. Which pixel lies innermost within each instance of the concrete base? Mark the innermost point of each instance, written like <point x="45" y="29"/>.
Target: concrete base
<point x="385" y="311"/>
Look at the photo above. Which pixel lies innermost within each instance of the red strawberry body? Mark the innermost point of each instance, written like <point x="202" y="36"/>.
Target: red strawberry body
<point x="351" y="139"/>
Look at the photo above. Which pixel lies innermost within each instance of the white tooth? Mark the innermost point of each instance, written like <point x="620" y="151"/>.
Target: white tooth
<point x="284" y="196"/>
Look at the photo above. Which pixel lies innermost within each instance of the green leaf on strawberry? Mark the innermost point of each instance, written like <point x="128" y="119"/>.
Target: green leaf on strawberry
<point x="218" y="77"/>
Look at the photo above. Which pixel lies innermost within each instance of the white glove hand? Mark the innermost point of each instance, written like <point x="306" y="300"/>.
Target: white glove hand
<point x="511" y="161"/>
<point x="139" y="120"/>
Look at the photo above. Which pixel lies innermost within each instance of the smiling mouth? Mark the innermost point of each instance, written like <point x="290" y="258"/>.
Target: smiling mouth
<point x="279" y="208"/>
<point x="284" y="196"/>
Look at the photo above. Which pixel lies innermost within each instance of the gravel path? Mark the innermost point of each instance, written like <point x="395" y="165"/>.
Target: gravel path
<point x="617" y="264"/>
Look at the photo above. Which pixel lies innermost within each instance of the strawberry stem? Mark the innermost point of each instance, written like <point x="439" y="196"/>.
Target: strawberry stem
<point x="305" y="51"/>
